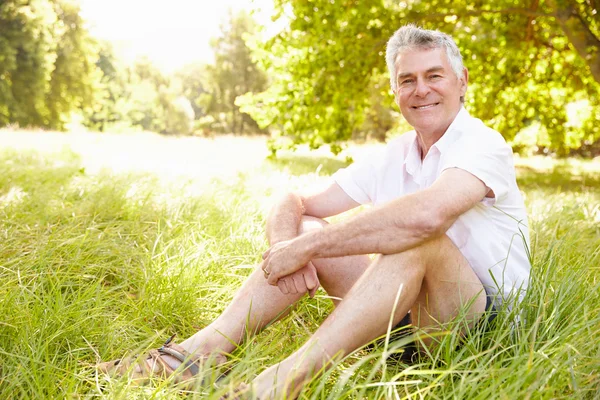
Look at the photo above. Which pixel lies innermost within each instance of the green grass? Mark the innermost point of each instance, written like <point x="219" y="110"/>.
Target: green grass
<point x="97" y="259"/>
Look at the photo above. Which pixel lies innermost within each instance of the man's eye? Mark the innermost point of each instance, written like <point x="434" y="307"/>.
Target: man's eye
<point x="435" y="76"/>
<point x="406" y="81"/>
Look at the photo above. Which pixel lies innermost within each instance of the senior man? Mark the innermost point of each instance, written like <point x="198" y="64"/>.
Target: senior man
<point x="448" y="229"/>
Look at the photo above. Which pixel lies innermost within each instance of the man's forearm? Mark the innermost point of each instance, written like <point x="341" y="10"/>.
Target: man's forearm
<point x="395" y="227"/>
<point x="284" y="219"/>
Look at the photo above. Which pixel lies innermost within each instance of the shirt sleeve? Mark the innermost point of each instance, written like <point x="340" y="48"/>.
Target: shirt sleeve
<point x="359" y="180"/>
<point x="489" y="158"/>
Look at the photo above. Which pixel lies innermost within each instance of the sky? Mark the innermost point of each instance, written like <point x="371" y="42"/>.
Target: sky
<point x="170" y="33"/>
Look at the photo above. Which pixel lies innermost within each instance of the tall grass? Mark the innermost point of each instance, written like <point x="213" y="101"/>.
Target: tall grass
<point x="95" y="263"/>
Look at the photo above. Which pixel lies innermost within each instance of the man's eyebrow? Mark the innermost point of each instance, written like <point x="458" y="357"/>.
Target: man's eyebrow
<point x="436" y="68"/>
<point x="430" y="70"/>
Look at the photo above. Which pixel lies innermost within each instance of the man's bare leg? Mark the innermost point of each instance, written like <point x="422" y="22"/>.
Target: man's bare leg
<point x="435" y="280"/>
<point x="257" y="303"/>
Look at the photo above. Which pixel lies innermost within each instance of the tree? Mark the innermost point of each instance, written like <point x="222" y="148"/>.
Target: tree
<point x="526" y="63"/>
<point x="46" y="62"/>
<point x="74" y="73"/>
<point x="194" y="81"/>
<point x="108" y="109"/>
<point x="233" y="74"/>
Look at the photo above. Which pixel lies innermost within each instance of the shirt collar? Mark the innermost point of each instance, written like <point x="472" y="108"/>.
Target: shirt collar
<point x="412" y="161"/>
<point x="413" y="158"/>
<point x="450" y="135"/>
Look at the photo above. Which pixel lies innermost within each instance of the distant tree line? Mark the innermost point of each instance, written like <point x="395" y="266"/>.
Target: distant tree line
<point x="53" y="72"/>
<point x="534" y="73"/>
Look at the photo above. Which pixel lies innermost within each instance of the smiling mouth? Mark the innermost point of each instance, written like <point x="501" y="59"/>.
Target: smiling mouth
<point x="425" y="106"/>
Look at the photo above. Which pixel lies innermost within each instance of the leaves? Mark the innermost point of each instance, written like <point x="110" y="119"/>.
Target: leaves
<point x="46" y="62"/>
<point x="524" y="67"/>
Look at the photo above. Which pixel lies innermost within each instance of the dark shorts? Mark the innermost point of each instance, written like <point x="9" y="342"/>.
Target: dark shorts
<point x="490" y="314"/>
<point x="410" y="351"/>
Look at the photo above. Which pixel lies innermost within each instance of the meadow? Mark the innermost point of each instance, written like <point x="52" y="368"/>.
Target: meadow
<point x="112" y="243"/>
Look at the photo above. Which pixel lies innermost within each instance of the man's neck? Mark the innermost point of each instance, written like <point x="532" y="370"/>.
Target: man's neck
<point x="427" y="139"/>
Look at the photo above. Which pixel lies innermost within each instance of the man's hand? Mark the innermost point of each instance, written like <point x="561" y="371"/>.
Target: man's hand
<point x="282" y="259"/>
<point x="302" y="281"/>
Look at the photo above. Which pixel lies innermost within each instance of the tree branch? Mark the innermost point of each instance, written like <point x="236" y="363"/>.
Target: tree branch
<point x="571" y="22"/>
<point x="529" y="26"/>
<point x="513" y="10"/>
<point x="581" y="37"/>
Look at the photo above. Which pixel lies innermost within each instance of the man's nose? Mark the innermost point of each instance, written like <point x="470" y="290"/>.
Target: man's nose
<point x="422" y="88"/>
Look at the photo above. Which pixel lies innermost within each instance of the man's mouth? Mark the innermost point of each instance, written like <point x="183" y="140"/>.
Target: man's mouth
<point x="424" y="107"/>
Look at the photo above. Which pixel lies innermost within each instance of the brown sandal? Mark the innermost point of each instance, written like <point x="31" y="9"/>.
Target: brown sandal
<point x="153" y="365"/>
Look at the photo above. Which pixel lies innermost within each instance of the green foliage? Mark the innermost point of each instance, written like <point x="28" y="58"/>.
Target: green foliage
<point x="233" y="74"/>
<point x="197" y="99"/>
<point x="526" y="65"/>
<point x="321" y="70"/>
<point x="46" y="62"/>
<point x="137" y="97"/>
<point x="108" y="110"/>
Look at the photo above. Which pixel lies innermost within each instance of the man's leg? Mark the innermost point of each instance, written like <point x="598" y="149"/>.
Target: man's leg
<point x="257" y="303"/>
<point x="434" y="279"/>
<point x="336" y="275"/>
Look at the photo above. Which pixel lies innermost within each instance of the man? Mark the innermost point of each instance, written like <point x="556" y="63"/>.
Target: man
<point x="448" y="228"/>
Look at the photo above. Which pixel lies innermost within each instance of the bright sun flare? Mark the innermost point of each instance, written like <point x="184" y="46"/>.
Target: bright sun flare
<point x="169" y="33"/>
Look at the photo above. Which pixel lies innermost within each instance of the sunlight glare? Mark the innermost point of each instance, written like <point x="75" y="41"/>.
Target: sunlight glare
<point x="170" y="34"/>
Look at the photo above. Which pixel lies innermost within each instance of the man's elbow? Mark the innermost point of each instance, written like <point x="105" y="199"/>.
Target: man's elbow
<point x="292" y="199"/>
<point x="432" y="224"/>
<point x="438" y="223"/>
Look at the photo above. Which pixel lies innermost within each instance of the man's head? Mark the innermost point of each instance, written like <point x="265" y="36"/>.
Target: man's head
<point x="413" y="37"/>
<point x="427" y="77"/>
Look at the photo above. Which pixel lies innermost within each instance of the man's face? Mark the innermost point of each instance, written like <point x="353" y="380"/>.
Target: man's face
<point x="428" y="91"/>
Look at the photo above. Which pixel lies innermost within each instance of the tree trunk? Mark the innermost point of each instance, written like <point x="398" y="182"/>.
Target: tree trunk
<point x="579" y="34"/>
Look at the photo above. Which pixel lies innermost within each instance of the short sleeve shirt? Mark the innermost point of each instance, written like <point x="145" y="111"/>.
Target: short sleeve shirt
<point x="493" y="236"/>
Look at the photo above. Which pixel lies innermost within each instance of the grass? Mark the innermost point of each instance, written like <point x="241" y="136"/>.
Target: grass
<point x="113" y="243"/>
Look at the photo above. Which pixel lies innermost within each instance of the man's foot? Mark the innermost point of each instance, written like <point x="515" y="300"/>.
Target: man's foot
<point x="280" y="381"/>
<point x="170" y="360"/>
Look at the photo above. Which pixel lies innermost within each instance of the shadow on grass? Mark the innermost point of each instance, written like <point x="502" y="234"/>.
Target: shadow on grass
<point x="560" y="177"/>
<point x="297" y="165"/>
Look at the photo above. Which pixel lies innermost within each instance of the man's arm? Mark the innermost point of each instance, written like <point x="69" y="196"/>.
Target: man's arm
<point x="284" y="219"/>
<point x="283" y="224"/>
<point x="397" y="226"/>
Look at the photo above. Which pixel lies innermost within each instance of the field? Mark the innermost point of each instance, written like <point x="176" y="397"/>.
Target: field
<point x="112" y="243"/>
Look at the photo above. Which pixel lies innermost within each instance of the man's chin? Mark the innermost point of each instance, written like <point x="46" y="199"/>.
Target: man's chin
<point x="423" y="125"/>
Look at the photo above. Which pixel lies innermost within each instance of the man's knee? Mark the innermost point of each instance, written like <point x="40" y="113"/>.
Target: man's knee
<point x="309" y="223"/>
<point x="430" y="251"/>
<point x="425" y="259"/>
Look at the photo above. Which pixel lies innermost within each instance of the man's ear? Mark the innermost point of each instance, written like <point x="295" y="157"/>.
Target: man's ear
<point x="395" y="93"/>
<point x="464" y="81"/>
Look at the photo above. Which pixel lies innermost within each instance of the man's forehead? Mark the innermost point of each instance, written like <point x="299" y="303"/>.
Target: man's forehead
<point x="418" y="59"/>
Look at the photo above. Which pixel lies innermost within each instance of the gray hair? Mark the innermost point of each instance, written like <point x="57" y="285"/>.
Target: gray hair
<point x="411" y="37"/>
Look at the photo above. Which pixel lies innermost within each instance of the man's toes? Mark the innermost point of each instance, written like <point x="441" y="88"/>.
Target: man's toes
<point x="108" y="366"/>
<point x="241" y="392"/>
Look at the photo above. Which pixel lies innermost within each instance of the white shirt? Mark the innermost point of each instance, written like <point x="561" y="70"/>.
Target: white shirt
<point x="493" y="236"/>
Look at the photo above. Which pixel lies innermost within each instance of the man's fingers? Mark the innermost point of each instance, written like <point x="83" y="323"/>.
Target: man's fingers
<point x="272" y="279"/>
<point x="311" y="279"/>
<point x="298" y="279"/>
<point x="282" y="286"/>
<point x="291" y="287"/>
<point x="312" y="284"/>
<point x="266" y="254"/>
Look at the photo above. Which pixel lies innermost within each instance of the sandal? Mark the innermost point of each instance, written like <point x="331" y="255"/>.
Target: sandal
<point x="153" y="365"/>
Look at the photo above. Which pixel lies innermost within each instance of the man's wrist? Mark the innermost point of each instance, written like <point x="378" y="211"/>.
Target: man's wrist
<point x="310" y="243"/>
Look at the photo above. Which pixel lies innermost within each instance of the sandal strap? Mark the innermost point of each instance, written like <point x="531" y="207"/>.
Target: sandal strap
<point x="178" y="352"/>
<point x="154" y="356"/>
